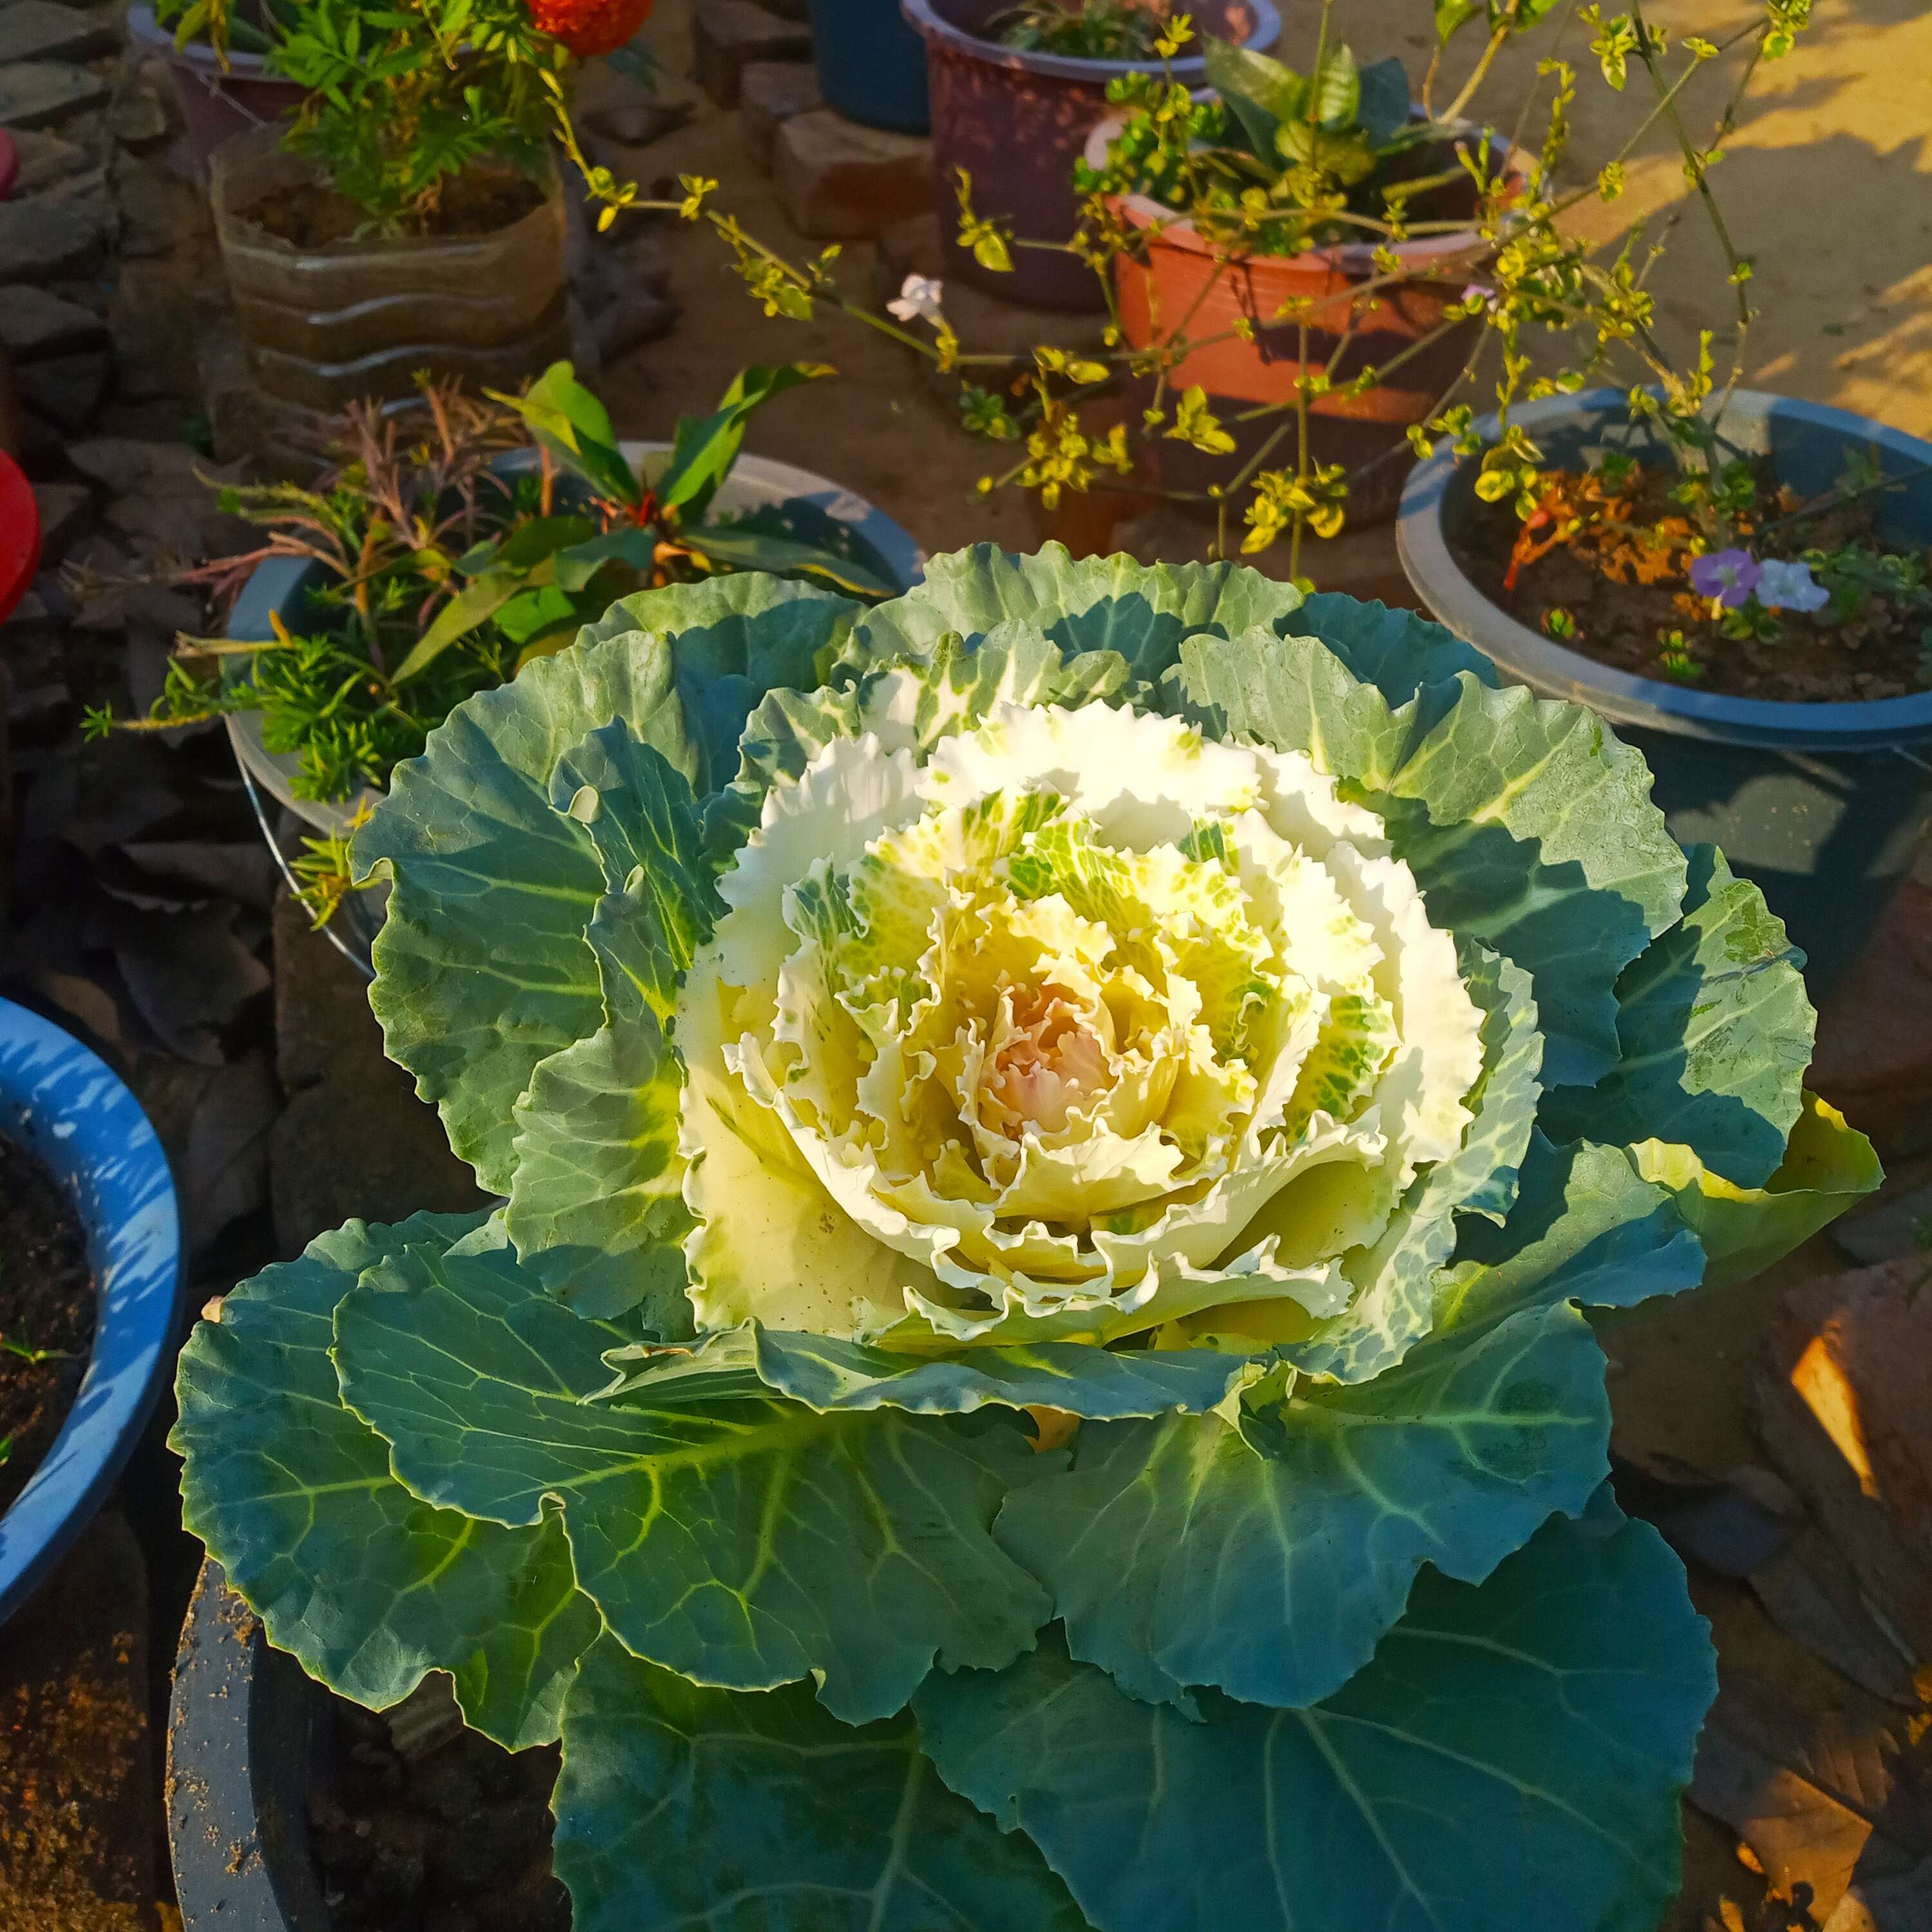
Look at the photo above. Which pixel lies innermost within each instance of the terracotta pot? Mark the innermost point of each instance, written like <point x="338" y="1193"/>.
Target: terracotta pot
<point x="1016" y="122"/>
<point x="1190" y="285"/>
<point x="328" y="326"/>
<point x="217" y="102"/>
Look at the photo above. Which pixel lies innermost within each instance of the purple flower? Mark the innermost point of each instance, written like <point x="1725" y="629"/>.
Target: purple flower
<point x="1790" y="586"/>
<point x="1730" y="576"/>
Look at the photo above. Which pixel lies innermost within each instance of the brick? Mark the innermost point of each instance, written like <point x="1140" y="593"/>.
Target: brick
<point x="772" y="92"/>
<point x="728" y="36"/>
<point x="839" y="181"/>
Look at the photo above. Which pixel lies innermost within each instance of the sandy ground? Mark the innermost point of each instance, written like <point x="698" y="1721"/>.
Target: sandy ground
<point x="1827" y="182"/>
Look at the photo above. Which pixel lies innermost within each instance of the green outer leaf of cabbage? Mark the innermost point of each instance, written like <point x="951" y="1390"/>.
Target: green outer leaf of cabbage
<point x="1510" y="1761"/>
<point x="1268" y="1560"/>
<point x="828" y="1374"/>
<point x="740" y="1543"/>
<point x="680" y="1805"/>
<point x="482" y="969"/>
<point x="366" y="1586"/>
<point x="1828" y="1168"/>
<point x="1141" y="611"/>
<point x="1714" y="1033"/>
<point x="1394" y="1308"/>
<point x="596" y="1208"/>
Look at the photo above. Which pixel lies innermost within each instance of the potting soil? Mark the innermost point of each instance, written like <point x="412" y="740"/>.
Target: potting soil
<point x="456" y="1840"/>
<point x="1623" y="622"/>
<point x="46" y="1314"/>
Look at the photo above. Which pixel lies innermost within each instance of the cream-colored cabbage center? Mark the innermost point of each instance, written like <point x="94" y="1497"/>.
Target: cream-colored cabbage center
<point x="1084" y="1026"/>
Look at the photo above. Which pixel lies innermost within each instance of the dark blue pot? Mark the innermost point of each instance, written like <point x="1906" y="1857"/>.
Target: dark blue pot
<point x="1824" y="806"/>
<point x="871" y="65"/>
<point x="60" y="1100"/>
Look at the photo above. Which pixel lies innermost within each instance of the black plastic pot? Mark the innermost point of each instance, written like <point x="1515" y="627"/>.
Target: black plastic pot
<point x="242" y="1734"/>
<point x="1825" y="806"/>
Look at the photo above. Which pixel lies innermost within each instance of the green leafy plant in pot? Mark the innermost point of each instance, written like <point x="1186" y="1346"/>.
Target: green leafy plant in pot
<point x="409" y="216"/>
<point x="1032" y="1370"/>
<point x="450" y="549"/>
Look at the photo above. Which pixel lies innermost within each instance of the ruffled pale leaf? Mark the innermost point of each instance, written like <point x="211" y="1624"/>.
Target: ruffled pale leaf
<point x="1396" y="1278"/>
<point x="742" y="1544"/>
<point x="1828" y="1168"/>
<point x="366" y="1585"/>
<point x="1267" y="1561"/>
<point x="1510" y="1761"/>
<point x="1714" y="1032"/>
<point x="680" y="1805"/>
<point x="1397" y="651"/>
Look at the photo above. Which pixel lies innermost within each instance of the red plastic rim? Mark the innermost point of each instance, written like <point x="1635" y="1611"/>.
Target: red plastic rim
<point x="19" y="536"/>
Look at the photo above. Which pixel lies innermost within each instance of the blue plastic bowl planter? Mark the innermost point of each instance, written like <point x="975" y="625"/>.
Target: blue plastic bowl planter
<point x="63" y="1102"/>
<point x="871" y="65"/>
<point x="1823" y="806"/>
<point x="755" y="483"/>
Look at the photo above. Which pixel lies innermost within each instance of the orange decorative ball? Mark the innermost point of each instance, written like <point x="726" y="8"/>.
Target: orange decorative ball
<point x="589" y="27"/>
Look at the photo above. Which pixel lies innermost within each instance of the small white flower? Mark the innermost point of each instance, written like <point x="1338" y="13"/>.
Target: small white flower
<point x="1790" y="587"/>
<point x="919" y="295"/>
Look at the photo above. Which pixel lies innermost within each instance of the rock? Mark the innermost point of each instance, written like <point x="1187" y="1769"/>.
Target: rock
<point x="41" y="243"/>
<point x="354" y="1138"/>
<point x="45" y="159"/>
<point x="66" y="511"/>
<point x="1873" y="1060"/>
<point x="38" y="30"/>
<point x="789" y="10"/>
<point x="1889" y="1232"/>
<point x="140" y="122"/>
<point x="78" y="1822"/>
<point x="161" y="214"/>
<point x="34" y="323"/>
<point x="837" y="181"/>
<point x="164" y="499"/>
<point x="772" y="92"/>
<point x="153" y="320"/>
<point x="42" y="94"/>
<point x="67" y="391"/>
<point x="728" y="36"/>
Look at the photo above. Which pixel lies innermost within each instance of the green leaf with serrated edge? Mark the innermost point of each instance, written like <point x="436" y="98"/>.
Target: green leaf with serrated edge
<point x="1267" y="1560"/>
<point x="1394" y="1307"/>
<point x="1295" y="695"/>
<point x="482" y="970"/>
<point x="367" y="1586"/>
<point x="1396" y="650"/>
<point x="596" y="1206"/>
<point x="1586" y="1228"/>
<point x="736" y="638"/>
<point x="1510" y="1761"/>
<point x="741" y="1544"/>
<point x="1529" y="826"/>
<point x="1715" y="1034"/>
<point x="1828" y="1167"/>
<point x="1141" y="611"/>
<point x="680" y="1805"/>
<point x="827" y="1373"/>
<point x="642" y="820"/>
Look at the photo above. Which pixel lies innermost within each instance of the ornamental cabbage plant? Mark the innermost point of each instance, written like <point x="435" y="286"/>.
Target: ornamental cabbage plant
<point x="1054" y="1136"/>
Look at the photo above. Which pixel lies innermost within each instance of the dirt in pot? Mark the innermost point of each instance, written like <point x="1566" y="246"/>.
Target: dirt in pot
<point x="1610" y="566"/>
<point x="47" y="1300"/>
<point x="311" y="214"/>
<point x="456" y="1840"/>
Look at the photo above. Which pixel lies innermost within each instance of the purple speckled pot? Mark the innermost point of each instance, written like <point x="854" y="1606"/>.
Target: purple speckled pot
<point x="1017" y="122"/>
